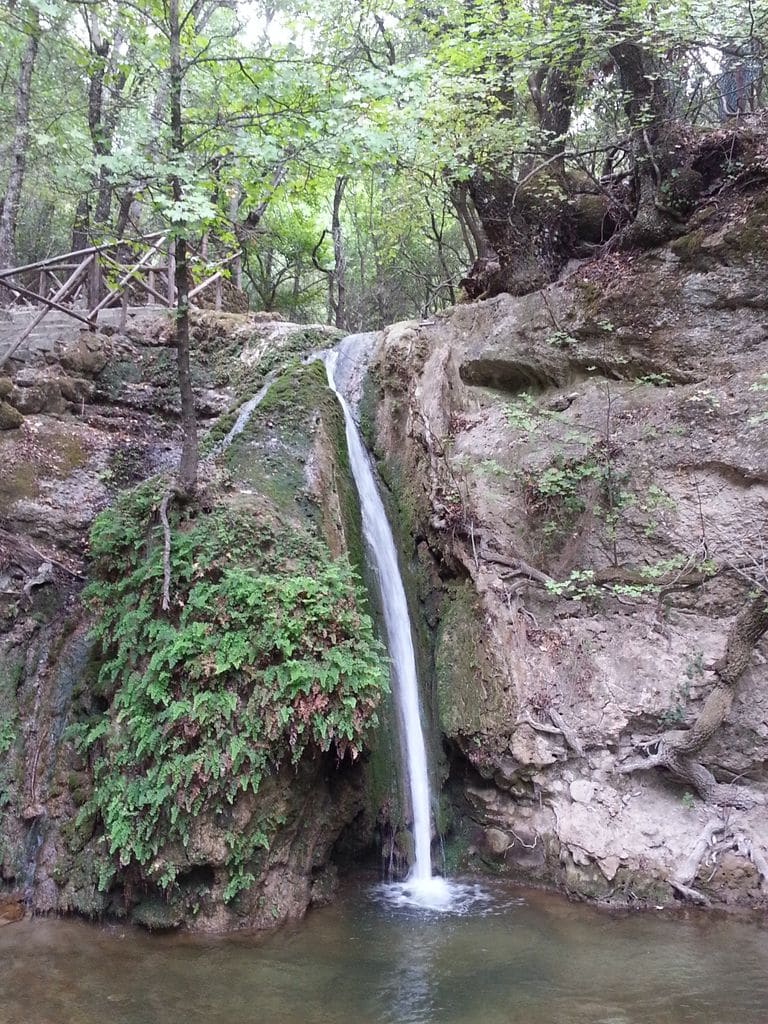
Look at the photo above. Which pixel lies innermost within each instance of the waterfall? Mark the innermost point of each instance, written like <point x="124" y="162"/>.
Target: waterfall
<point x="244" y="413"/>
<point x="426" y="889"/>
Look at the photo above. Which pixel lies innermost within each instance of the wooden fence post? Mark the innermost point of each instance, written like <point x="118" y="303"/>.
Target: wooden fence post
<point x="171" y="274"/>
<point x="94" y="288"/>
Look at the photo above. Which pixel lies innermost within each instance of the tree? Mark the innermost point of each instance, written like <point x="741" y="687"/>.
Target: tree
<point x="570" y="124"/>
<point x="29" y="22"/>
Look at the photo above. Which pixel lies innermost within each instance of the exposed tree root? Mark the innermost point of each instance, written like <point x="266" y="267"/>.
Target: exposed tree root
<point x="516" y="565"/>
<point x="569" y="735"/>
<point x="690" y="866"/>
<point x="559" y="727"/>
<point x="716" y="837"/>
<point x="675" y="750"/>
<point x="747" y="845"/>
<point x="690" y="893"/>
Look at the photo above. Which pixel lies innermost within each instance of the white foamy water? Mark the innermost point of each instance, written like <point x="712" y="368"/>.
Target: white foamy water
<point x="434" y="895"/>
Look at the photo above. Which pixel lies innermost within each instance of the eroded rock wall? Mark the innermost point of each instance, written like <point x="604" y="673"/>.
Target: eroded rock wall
<point x="581" y="474"/>
<point x="92" y="416"/>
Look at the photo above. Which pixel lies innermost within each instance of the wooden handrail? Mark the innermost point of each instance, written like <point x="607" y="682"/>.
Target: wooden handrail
<point x="125" y="279"/>
<point x="214" y="277"/>
<point x="90" y="251"/>
<point x="50" y="304"/>
<point x="141" y="273"/>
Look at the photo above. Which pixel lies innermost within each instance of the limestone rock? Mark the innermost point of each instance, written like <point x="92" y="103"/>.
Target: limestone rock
<point x="582" y="791"/>
<point x="496" y="842"/>
<point x="88" y="356"/>
<point x="547" y="594"/>
<point x="531" y="748"/>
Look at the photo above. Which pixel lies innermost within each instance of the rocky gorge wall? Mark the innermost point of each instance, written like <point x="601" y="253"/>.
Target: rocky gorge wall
<point x="146" y="771"/>
<point x="579" y="481"/>
<point x="580" y="477"/>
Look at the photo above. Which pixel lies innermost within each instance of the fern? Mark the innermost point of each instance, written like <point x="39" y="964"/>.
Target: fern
<point x="267" y="656"/>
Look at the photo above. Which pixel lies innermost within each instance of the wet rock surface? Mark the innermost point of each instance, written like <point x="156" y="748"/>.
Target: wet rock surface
<point x="85" y="417"/>
<point x="580" y="477"/>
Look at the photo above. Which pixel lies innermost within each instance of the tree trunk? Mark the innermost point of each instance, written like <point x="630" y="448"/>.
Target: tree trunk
<point x="438" y="235"/>
<point x="102" y="118"/>
<point x="475" y="239"/>
<point x="187" y="473"/>
<point x="526" y="218"/>
<point x="10" y="204"/>
<point x="650" y="117"/>
<point x="339" y="276"/>
<point x="81" y="224"/>
<point x="127" y="201"/>
<point x="528" y="225"/>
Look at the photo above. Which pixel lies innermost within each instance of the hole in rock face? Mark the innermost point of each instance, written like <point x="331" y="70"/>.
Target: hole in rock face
<point x="505" y="375"/>
<point x="201" y="876"/>
<point x="100" y="704"/>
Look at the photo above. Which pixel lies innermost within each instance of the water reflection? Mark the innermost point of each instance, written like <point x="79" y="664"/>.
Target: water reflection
<point x="408" y="992"/>
<point x="537" y="960"/>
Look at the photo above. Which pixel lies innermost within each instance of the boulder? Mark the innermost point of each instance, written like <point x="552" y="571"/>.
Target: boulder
<point x="10" y="418"/>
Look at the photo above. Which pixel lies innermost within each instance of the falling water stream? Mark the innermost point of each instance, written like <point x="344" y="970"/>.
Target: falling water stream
<point x="426" y="951"/>
<point x="422" y="886"/>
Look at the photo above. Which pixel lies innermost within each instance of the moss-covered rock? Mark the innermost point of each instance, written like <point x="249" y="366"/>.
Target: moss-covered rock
<point x="215" y="723"/>
<point x="471" y="697"/>
<point x="10" y="418"/>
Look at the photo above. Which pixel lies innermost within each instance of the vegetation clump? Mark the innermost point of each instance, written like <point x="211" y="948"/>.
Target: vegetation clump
<point x="263" y="657"/>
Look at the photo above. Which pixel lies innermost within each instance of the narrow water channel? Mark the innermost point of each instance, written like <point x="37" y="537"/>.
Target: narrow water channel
<point x="519" y="958"/>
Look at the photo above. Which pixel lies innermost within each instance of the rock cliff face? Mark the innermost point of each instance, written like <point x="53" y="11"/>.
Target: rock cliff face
<point x="91" y="417"/>
<point x="581" y="481"/>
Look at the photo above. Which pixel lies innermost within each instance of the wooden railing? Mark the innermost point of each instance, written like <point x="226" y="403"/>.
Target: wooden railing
<point x="83" y="283"/>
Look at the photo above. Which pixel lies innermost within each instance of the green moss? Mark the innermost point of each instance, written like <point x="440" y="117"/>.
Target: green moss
<point x="457" y="854"/>
<point x="587" y="880"/>
<point x="217" y="352"/>
<point x="470" y="696"/>
<point x="366" y="409"/>
<point x="77" y="877"/>
<point x="158" y="914"/>
<point x="10" y="418"/>
<point x="402" y="500"/>
<point x="220" y="429"/>
<point x="298" y="388"/>
<point x="271" y="453"/>
<point x="117" y="373"/>
<point x="11" y="669"/>
<point x="17" y="482"/>
<point x="67" y="450"/>
<point x="298" y="344"/>
<point x="688" y="247"/>
<point x="59" y="452"/>
<point x="750" y="238"/>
